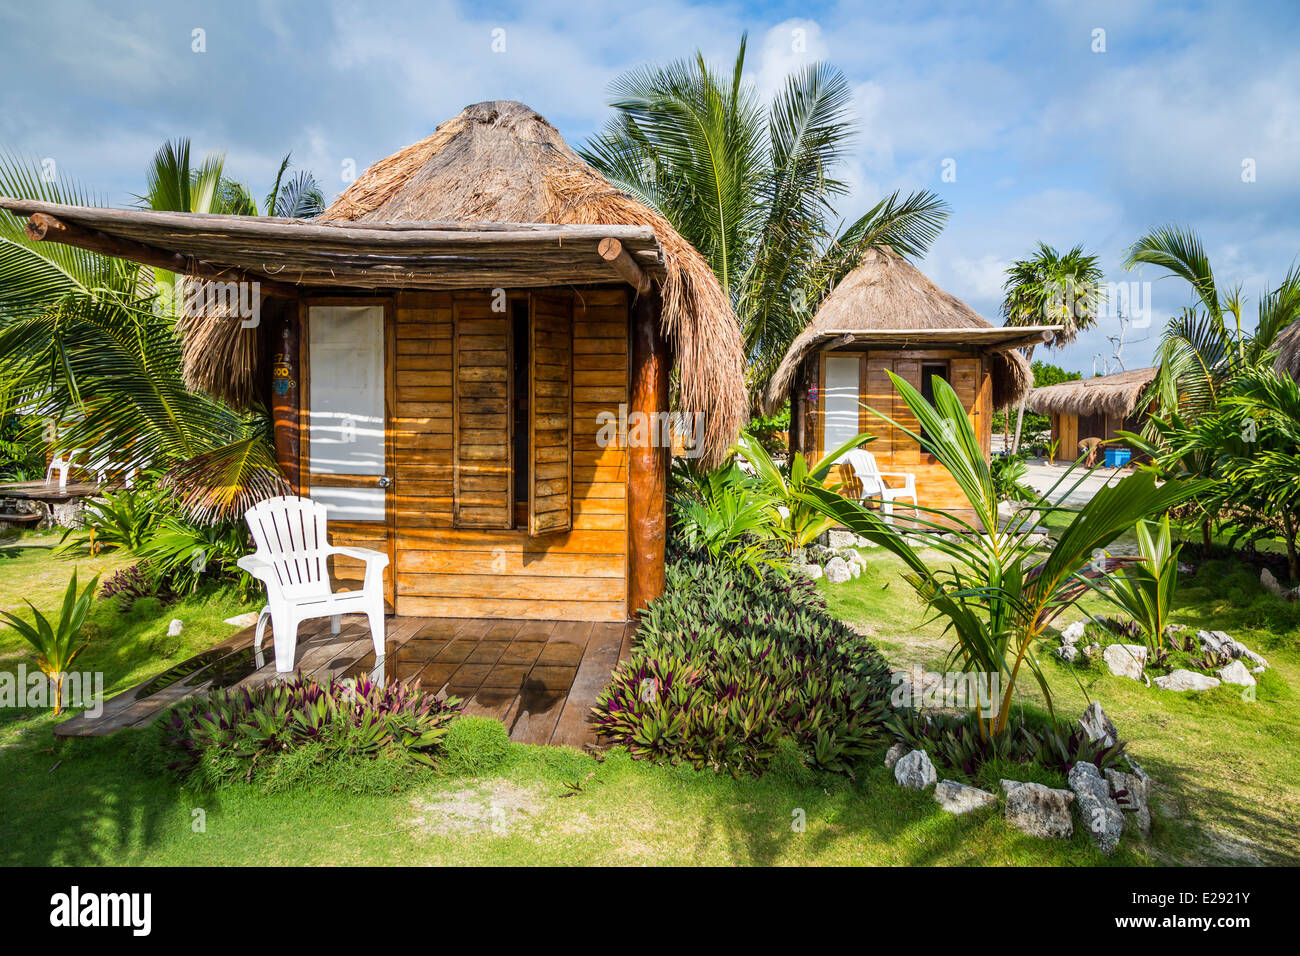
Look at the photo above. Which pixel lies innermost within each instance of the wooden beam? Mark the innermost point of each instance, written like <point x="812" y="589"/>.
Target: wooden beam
<point x="42" y="227"/>
<point x="286" y="395"/>
<point x="612" y="251"/>
<point x="647" y="472"/>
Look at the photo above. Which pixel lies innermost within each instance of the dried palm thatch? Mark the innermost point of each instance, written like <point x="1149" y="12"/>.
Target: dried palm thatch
<point x="886" y="292"/>
<point x="1288" y="350"/>
<point x="1116" y="394"/>
<point x="221" y="354"/>
<point x="502" y="162"/>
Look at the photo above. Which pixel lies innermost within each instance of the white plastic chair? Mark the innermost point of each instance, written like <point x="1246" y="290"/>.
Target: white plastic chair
<point x="865" y="469"/>
<point x="292" y="561"/>
<point x="62" y="462"/>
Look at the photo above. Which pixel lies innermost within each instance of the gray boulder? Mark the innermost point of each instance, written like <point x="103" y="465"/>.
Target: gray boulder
<point x="1225" y="646"/>
<point x="1125" y="660"/>
<point x="1098" y="811"/>
<point x="1098" y="726"/>
<point x="837" y="571"/>
<point x="894" y="753"/>
<point x="1067" y="652"/>
<point x="1037" y="810"/>
<point x="915" y="771"/>
<point x="1236" y="673"/>
<point x="956" y="797"/>
<point x="1181" y="680"/>
<point x="1131" y="792"/>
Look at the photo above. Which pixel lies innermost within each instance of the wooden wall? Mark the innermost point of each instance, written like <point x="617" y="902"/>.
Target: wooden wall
<point x="970" y="377"/>
<point x="445" y="570"/>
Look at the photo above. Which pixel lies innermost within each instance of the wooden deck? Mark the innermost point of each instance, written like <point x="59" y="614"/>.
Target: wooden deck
<point x="539" y="678"/>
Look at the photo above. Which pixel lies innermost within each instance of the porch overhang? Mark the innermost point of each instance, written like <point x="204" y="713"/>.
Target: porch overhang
<point x="292" y="255"/>
<point x="995" y="339"/>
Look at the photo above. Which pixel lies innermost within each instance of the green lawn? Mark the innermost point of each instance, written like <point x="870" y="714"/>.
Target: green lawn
<point x="1226" y="772"/>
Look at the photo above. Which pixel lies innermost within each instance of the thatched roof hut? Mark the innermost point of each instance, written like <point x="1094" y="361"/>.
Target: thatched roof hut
<point x="1116" y="395"/>
<point x="1288" y="350"/>
<point x="494" y="197"/>
<point x="887" y="301"/>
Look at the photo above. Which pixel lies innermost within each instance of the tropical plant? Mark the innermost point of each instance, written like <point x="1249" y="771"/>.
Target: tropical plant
<point x="57" y="644"/>
<point x="1052" y="448"/>
<point x="997" y="594"/>
<point x="1008" y="473"/>
<point x="752" y="187"/>
<point x="727" y="665"/>
<point x="184" y="554"/>
<point x="1049" y="288"/>
<point x="1145" y="588"/>
<point x="725" y="513"/>
<point x="120" y="520"/>
<point x="233" y="735"/>
<point x="797" y="524"/>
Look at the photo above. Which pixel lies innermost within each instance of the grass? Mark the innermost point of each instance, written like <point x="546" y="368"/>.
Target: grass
<point x="1225" y="770"/>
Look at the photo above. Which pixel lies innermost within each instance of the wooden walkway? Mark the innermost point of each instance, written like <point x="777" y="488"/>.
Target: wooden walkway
<point x="539" y="678"/>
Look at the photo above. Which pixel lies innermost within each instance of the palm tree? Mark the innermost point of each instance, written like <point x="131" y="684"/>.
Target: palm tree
<point x="1205" y="346"/>
<point x="752" y="187"/>
<point x="90" y="343"/>
<point x="1052" y="289"/>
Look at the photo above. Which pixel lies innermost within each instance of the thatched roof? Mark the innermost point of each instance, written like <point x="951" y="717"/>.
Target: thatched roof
<point x="887" y="301"/>
<point x="1115" y="394"/>
<point x="494" y="197"/>
<point x="1288" y="350"/>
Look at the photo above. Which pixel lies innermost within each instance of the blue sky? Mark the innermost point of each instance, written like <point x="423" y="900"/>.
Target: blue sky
<point x="1049" y="139"/>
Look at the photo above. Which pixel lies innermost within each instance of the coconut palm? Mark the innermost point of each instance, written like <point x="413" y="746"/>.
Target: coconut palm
<point x="752" y="186"/>
<point x="1049" y="288"/>
<point x="87" y="345"/>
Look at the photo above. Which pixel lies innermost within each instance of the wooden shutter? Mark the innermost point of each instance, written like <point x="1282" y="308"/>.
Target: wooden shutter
<point x="550" y="413"/>
<point x="481" y="462"/>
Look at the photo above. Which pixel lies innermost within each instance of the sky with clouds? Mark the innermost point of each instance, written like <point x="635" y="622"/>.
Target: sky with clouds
<point x="1064" y="122"/>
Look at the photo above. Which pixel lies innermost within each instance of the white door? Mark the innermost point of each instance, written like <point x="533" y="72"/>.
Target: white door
<point x="840" y="404"/>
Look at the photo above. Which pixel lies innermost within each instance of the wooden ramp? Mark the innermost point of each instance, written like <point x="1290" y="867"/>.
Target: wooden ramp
<point x="539" y="678"/>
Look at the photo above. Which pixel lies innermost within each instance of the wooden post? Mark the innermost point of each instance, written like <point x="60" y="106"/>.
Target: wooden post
<point x="286" y="394"/>
<point x="612" y="251"/>
<point x="647" y="478"/>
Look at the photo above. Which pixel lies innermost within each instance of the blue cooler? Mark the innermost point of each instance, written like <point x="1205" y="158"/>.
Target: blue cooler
<point x="1118" y="457"/>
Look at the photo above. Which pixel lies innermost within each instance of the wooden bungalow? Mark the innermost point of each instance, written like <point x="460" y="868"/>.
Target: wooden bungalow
<point x="886" y="316"/>
<point x="443" y="352"/>
<point x="1097" y="407"/>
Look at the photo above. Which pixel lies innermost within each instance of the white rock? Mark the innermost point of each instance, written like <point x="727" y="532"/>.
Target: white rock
<point x="813" y="571"/>
<point x="1270" y="583"/>
<point x="837" y="571"/>
<point x="958" y="798"/>
<point x="838" y="538"/>
<point x="856" y="570"/>
<point x="1072" y="633"/>
<point x="1098" y="726"/>
<point x="915" y="771"/>
<point x="1181" y="680"/>
<point x="242" y="620"/>
<point x="1125" y="660"/>
<point x="174" y="628"/>
<point x="1092" y="651"/>
<point x="894" y="753"/>
<point x="1100" y="814"/>
<point x="1037" y="810"/>
<point x="1130" y="793"/>
<point x="1236" y="673"/>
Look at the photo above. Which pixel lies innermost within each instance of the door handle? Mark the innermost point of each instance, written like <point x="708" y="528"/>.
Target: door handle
<point x="384" y="481"/>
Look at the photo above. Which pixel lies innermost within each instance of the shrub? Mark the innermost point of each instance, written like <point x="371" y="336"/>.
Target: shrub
<point x="728" y="661"/>
<point x="294" y="731"/>
<point x="473" y="746"/>
<point x="120" y="520"/>
<point x="187" y="555"/>
<point x="129" y="585"/>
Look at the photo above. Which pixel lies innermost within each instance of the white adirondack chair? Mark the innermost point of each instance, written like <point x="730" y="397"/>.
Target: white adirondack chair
<point x="865" y="469"/>
<point x="291" y="560"/>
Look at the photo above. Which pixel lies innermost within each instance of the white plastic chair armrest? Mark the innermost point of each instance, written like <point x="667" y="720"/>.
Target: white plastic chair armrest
<point x="375" y="561"/>
<point x="257" y="566"/>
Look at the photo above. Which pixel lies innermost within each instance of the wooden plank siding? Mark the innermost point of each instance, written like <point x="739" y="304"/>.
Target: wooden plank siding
<point x="445" y="570"/>
<point x="893" y="450"/>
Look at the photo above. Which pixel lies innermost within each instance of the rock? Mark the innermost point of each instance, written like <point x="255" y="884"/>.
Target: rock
<point x="1037" y="810"/>
<point x="813" y="571"/>
<point x="1098" y="726"/>
<point x="242" y="620"/>
<point x="1224" y="646"/>
<point x="1258" y="670"/>
<point x="1072" y="633"/>
<point x="855" y="570"/>
<point x="1131" y="793"/>
<point x="174" y="628"/>
<point x="1125" y="660"/>
<point x="862" y="542"/>
<point x="915" y="771"/>
<point x="1236" y="673"/>
<point x="1067" y="652"/>
<point x="837" y="571"/>
<point x="1092" y="651"/>
<point x="1099" y="813"/>
<point x="1181" y="680"/>
<point x="838" y="538"/>
<point x="894" y="753"/>
<point x="958" y="798"/>
<point x="1175" y="629"/>
<point x="1270" y="583"/>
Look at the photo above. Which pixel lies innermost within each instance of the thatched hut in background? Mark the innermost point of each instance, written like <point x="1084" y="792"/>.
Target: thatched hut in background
<point x="886" y="316"/>
<point x="1097" y="407"/>
<point x="457" y="356"/>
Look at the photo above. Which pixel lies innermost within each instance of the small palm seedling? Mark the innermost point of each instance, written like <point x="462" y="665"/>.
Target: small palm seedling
<point x="57" y="644"/>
